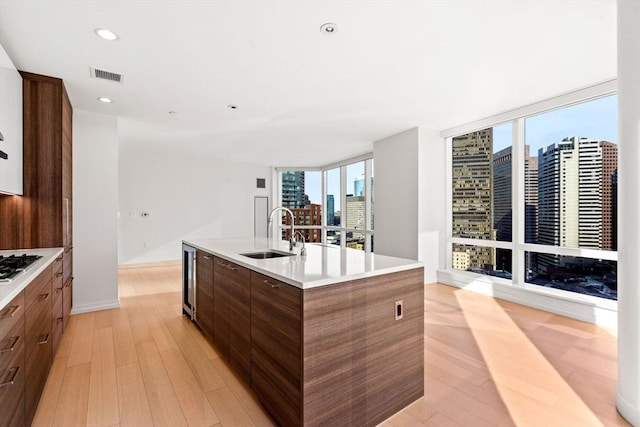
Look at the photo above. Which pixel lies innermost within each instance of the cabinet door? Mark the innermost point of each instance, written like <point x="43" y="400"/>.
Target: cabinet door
<point x="221" y="307"/>
<point x="12" y="375"/>
<point x="276" y="347"/>
<point x="67" y="302"/>
<point x="239" y="293"/>
<point x="204" y="293"/>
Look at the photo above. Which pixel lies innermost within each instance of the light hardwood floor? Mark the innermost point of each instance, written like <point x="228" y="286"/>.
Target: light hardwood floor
<point x="487" y="363"/>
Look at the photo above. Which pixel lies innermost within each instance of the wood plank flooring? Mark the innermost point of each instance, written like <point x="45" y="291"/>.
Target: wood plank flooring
<point x="487" y="363"/>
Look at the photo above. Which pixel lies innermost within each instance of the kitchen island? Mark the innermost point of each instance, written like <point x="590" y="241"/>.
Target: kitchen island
<point x="333" y="337"/>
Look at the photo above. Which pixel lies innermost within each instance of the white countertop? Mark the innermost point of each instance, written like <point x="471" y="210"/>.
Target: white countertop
<point x="9" y="290"/>
<point x="323" y="264"/>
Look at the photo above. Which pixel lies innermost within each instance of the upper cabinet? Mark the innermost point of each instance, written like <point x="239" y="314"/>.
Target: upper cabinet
<point x="43" y="218"/>
<point x="10" y="127"/>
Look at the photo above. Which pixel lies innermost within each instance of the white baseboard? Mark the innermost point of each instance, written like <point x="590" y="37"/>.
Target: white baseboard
<point x="581" y="307"/>
<point x="86" y="308"/>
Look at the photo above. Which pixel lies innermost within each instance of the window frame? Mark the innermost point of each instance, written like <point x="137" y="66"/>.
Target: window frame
<point x="518" y="246"/>
<point x="342" y="228"/>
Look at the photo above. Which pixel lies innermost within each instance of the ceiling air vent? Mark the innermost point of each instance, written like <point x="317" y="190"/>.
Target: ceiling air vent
<point x="97" y="73"/>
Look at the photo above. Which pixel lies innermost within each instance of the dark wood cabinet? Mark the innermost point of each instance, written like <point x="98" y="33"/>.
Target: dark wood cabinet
<point x="38" y="339"/>
<point x="42" y="218"/>
<point x="276" y="340"/>
<point x="204" y="293"/>
<point x="57" y="315"/>
<point x="335" y="354"/>
<point x="236" y="282"/>
<point x="12" y="362"/>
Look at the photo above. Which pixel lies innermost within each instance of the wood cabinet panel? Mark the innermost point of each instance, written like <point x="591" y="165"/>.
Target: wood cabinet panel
<point x="12" y="372"/>
<point x="12" y="392"/>
<point x="276" y="347"/>
<point x="204" y="317"/>
<point x="57" y="289"/>
<point x="37" y="369"/>
<point x="220" y="308"/>
<point x="67" y="302"/>
<point x="37" y="220"/>
<point x="239" y="291"/>
<point x="12" y="314"/>
<point x="351" y="329"/>
<point x="38" y="287"/>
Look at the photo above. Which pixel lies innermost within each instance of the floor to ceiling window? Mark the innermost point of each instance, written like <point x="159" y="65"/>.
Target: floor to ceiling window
<point x="332" y="205"/>
<point x="534" y="199"/>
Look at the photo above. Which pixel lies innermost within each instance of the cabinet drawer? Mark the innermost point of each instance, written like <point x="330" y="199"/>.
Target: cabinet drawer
<point x="67" y="301"/>
<point x="12" y="347"/>
<point x="67" y="264"/>
<point x="39" y="286"/>
<point x="37" y="369"/>
<point x="56" y="265"/>
<point x="57" y="325"/>
<point x="12" y="396"/>
<point x="37" y="322"/>
<point x="11" y="314"/>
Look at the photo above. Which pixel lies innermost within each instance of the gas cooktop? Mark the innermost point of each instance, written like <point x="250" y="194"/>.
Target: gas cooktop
<point x="12" y="265"/>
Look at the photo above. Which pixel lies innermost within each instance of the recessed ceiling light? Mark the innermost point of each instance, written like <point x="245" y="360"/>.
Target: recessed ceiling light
<point x="232" y="106"/>
<point x="173" y="112"/>
<point x="105" y="100"/>
<point x="329" y="28"/>
<point x="106" y="34"/>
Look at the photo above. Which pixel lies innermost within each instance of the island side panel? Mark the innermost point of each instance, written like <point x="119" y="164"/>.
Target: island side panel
<point x="361" y="365"/>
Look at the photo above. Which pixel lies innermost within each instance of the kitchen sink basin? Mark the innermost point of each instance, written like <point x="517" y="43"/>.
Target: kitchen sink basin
<point x="267" y="254"/>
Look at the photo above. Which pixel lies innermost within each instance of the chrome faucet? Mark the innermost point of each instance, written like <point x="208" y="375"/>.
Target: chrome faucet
<point x="292" y="240"/>
<point x="303" y="251"/>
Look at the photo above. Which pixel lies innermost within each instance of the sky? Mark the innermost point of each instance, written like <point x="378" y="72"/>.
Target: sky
<point x="594" y="119"/>
<point x="313" y="183"/>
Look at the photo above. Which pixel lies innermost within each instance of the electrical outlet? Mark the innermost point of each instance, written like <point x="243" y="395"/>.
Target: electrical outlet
<point x="399" y="309"/>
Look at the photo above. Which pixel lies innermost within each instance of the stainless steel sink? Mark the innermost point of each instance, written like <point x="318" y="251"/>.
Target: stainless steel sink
<point x="267" y="254"/>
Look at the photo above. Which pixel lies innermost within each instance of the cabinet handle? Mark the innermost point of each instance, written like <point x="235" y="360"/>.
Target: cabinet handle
<point x="60" y="319"/>
<point x="9" y="311"/>
<point x="44" y="340"/>
<point x="13" y="377"/>
<point x="11" y="347"/>
<point x="60" y="258"/>
<point x="227" y="266"/>
<point x="58" y="290"/>
<point x="273" y="285"/>
<point x="206" y="257"/>
<point x="59" y="274"/>
<point x="43" y="297"/>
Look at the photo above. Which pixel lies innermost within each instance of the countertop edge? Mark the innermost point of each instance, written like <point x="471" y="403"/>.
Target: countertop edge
<point x="411" y="264"/>
<point x="17" y="286"/>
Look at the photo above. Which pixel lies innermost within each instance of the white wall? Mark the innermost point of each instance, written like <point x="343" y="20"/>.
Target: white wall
<point x="410" y="197"/>
<point x="187" y="195"/>
<point x="432" y="203"/>
<point x="95" y="204"/>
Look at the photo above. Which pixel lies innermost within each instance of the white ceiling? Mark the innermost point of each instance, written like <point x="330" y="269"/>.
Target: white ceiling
<point x="306" y="98"/>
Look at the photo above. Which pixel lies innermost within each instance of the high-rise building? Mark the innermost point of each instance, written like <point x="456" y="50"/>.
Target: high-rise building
<point x="330" y="210"/>
<point x="355" y="212"/>
<point x="358" y="186"/>
<point x="576" y="194"/>
<point x="609" y="194"/>
<point x="293" y="190"/>
<point x="530" y="197"/>
<point x="472" y="196"/>
<point x="502" y="212"/>
<point x="308" y="215"/>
